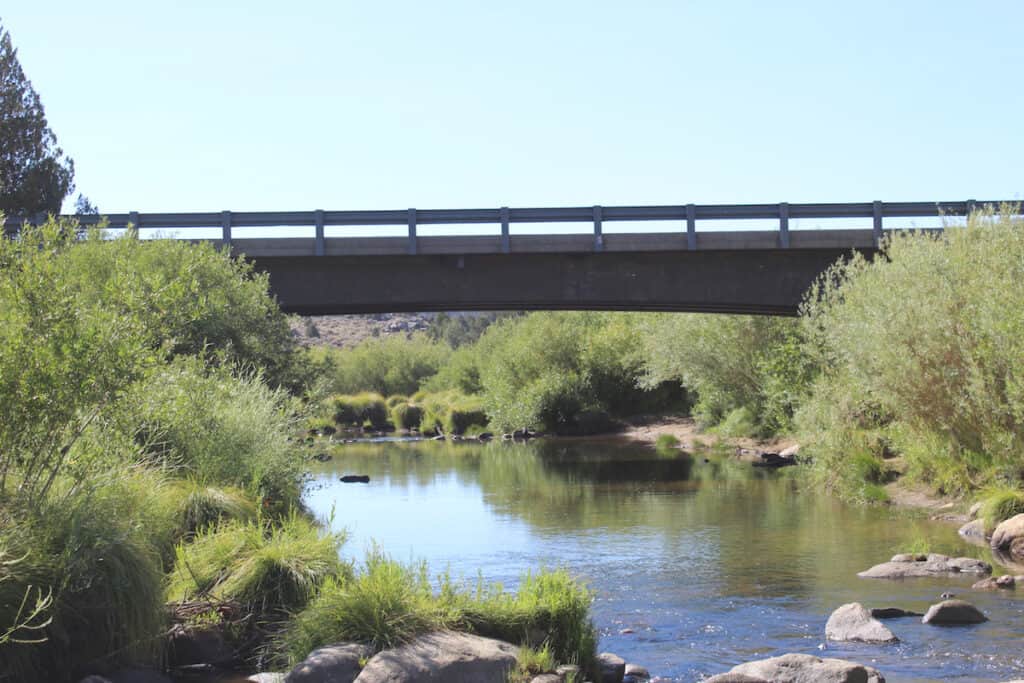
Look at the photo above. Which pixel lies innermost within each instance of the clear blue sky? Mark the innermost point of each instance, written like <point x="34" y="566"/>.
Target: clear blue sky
<point x="343" y="105"/>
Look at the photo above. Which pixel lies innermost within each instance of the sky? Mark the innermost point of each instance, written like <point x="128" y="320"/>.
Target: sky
<point x="249" y="106"/>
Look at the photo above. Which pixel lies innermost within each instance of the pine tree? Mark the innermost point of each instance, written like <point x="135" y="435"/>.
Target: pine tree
<point x="35" y="175"/>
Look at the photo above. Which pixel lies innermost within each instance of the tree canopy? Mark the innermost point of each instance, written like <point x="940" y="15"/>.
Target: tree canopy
<point x="35" y="174"/>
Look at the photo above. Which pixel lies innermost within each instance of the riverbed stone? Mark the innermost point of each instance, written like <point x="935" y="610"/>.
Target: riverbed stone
<point x="1004" y="582"/>
<point x="902" y="567"/>
<point x="893" y="613"/>
<point x="800" y="668"/>
<point x="637" y="672"/>
<point x="1008" y="537"/>
<point x="267" y="677"/>
<point x="953" y="613"/>
<point x="547" y="678"/>
<point x="443" y="656"/>
<point x="138" y="676"/>
<point x="852" y="622"/>
<point x="974" y="510"/>
<point x="974" y="532"/>
<point x="566" y="670"/>
<point x="338" y="663"/>
<point x="610" y="668"/>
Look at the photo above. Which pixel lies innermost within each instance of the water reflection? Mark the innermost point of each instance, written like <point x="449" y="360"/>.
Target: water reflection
<point x="708" y="563"/>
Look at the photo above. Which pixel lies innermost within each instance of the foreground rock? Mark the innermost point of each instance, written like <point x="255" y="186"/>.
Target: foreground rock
<point x="636" y="673"/>
<point x="911" y="566"/>
<point x="339" y="663"/>
<point x="852" y="622"/>
<point x="443" y="656"/>
<point x="1005" y="582"/>
<point x="610" y="668"/>
<point x="1008" y="538"/>
<point x="953" y="613"/>
<point x="797" y="668"/>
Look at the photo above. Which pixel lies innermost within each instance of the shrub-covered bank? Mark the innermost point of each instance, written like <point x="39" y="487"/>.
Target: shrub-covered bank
<point x="150" y="470"/>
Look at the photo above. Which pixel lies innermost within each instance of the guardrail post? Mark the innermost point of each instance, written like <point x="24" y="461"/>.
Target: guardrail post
<point x="970" y="208"/>
<point x="784" y="225"/>
<point x="505" y="240"/>
<point x="225" y="228"/>
<point x="412" y="232"/>
<point x="318" y="246"/>
<point x="691" y="227"/>
<point x="133" y="221"/>
<point x="876" y="224"/>
<point x="598" y="237"/>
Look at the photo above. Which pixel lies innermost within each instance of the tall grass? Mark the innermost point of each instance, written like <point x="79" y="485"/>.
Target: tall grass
<point x="999" y="505"/>
<point x="269" y="569"/>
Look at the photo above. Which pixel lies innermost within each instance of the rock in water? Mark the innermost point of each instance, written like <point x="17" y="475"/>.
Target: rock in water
<point x="797" y="668"/>
<point x="974" y="532"/>
<point x="892" y="613"/>
<point x="443" y="656"/>
<point x="852" y="622"/>
<point x="331" y="664"/>
<point x="1005" y="582"/>
<point x="953" y="613"/>
<point x="1008" y="538"/>
<point x="909" y="566"/>
<point x="611" y="668"/>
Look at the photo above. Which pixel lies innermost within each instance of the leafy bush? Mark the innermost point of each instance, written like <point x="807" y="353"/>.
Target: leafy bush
<point x="1000" y="505"/>
<point x="931" y="336"/>
<point x="216" y="427"/>
<point x="268" y="569"/>
<point x="387" y="365"/>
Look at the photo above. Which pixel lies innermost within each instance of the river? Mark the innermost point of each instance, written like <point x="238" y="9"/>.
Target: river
<point x="698" y="563"/>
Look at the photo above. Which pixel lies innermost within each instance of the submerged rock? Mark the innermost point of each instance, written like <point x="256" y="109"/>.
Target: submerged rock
<point x="443" y="656"/>
<point x="974" y="532"/>
<point x="798" y="668"/>
<point x="1005" y="582"/>
<point x="910" y="566"/>
<point x="953" y="613"/>
<point x="892" y="613"/>
<point x="338" y="663"/>
<point x="851" y="622"/>
<point x="355" y="479"/>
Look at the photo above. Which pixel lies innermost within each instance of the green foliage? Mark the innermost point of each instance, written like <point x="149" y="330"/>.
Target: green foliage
<point x="999" y="505"/>
<point x="450" y="412"/>
<point x="90" y="548"/>
<point x="35" y="175"/>
<point x="216" y="427"/>
<point x="200" y="507"/>
<point x="359" y="410"/>
<point x="269" y="569"/>
<point x="531" y="662"/>
<point x="541" y="370"/>
<point x="666" y="442"/>
<point x="461" y="330"/>
<point x="730" y="362"/>
<point x="407" y="416"/>
<point x="738" y="422"/>
<point x="387" y="365"/>
<point x="929" y="341"/>
<point x="388" y="603"/>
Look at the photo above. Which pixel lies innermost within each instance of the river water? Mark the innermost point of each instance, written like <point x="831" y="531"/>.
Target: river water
<point x="698" y="563"/>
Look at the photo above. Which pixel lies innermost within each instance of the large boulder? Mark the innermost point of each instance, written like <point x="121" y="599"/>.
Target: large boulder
<point x="852" y="622"/>
<point x="909" y="566"/>
<point x="798" y="668"/>
<point x="953" y="613"/>
<point x="339" y="663"/>
<point x="1008" y="538"/>
<point x="443" y="656"/>
<point x="610" y="668"/>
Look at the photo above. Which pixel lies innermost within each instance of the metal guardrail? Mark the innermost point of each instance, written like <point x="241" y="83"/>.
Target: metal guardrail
<point x="877" y="211"/>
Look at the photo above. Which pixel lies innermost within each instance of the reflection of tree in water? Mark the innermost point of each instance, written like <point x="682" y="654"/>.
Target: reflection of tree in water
<point x="749" y="531"/>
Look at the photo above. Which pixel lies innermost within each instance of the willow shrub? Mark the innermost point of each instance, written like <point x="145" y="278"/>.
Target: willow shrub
<point x="927" y="341"/>
<point x="746" y="371"/>
<point x="388" y="365"/>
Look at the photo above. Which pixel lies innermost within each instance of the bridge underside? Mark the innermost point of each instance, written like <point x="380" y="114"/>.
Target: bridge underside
<point x="765" y="282"/>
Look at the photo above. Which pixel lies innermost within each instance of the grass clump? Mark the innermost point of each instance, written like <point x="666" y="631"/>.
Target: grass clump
<point x="388" y="603"/>
<point x="999" y="505"/>
<point x="366" y="409"/>
<point x="532" y="662"/>
<point x="200" y="507"/>
<point x="270" y="570"/>
<point x="666" y="444"/>
<point x="406" y="416"/>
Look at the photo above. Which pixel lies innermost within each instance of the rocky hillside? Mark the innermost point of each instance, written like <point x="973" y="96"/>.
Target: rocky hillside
<point x="348" y="330"/>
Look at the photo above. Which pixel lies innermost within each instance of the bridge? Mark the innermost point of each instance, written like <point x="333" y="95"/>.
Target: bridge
<point x="735" y="271"/>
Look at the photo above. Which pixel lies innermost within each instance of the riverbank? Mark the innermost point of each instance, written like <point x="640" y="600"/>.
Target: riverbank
<point x="647" y="429"/>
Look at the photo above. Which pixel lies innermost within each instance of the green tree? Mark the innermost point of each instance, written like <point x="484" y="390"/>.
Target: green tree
<point x="35" y="174"/>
